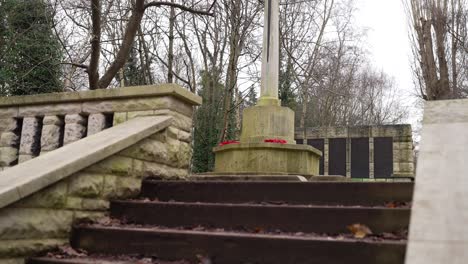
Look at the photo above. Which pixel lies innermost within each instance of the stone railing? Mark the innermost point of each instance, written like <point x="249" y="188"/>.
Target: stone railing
<point x="34" y="125"/>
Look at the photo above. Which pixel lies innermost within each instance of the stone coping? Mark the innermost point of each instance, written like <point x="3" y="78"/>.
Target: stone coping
<point x="104" y="94"/>
<point x="291" y="147"/>
<point x="29" y="177"/>
<point x="435" y="111"/>
<point x="354" y="131"/>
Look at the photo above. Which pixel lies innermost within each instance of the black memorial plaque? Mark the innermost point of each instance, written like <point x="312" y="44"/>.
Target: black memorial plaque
<point x="320" y="145"/>
<point x="360" y="158"/>
<point x="337" y="156"/>
<point x="383" y="157"/>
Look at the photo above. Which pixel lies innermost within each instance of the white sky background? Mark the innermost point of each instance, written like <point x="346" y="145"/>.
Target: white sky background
<point x="389" y="47"/>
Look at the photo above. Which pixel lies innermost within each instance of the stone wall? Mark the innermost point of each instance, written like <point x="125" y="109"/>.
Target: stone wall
<point x="391" y="145"/>
<point x="42" y="221"/>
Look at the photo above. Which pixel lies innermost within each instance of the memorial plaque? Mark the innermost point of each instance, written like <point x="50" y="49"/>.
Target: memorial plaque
<point x="360" y="158"/>
<point x="320" y="145"/>
<point x="337" y="156"/>
<point x="383" y="157"/>
<point x="299" y="141"/>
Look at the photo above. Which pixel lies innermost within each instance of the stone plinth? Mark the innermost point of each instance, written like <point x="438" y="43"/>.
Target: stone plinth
<point x="267" y="122"/>
<point x="267" y="158"/>
<point x="254" y="156"/>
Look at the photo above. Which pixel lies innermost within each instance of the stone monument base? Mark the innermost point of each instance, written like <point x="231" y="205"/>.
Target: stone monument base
<point x="267" y="158"/>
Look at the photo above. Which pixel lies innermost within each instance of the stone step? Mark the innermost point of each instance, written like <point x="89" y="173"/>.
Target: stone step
<point x="99" y="260"/>
<point x="234" y="248"/>
<point x="289" y="218"/>
<point x="317" y="193"/>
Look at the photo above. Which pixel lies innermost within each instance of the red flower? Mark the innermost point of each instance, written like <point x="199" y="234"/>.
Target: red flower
<point x="275" y="140"/>
<point x="228" y="142"/>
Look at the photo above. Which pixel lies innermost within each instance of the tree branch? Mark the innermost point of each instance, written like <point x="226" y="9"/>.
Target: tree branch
<point x="182" y="7"/>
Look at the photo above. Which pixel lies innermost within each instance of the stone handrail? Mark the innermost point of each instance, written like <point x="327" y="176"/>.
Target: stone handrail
<point x="34" y="125"/>
<point x="21" y="181"/>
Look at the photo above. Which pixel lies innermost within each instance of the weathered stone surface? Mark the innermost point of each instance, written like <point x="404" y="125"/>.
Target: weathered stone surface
<point x="150" y="150"/>
<point x="50" y="137"/>
<point x="89" y="215"/>
<point x="138" y="104"/>
<point x="267" y="158"/>
<point x="52" y="120"/>
<point x="7" y="112"/>
<point x="8" y="156"/>
<point x="184" y="155"/>
<point x="180" y="121"/>
<point x="73" y="132"/>
<point x="117" y="165"/>
<point x="180" y="134"/>
<point x="8" y="124"/>
<point x="120" y="187"/>
<point x="30" y="136"/>
<point x="27" y="247"/>
<point x="405" y="167"/>
<point x="73" y="203"/>
<point x="9" y="139"/>
<point x="337" y="132"/>
<point x="144" y="169"/>
<point x="128" y="93"/>
<point x="359" y="131"/>
<point x="96" y="123"/>
<point x="75" y="119"/>
<point x="266" y="122"/>
<point x="94" y="204"/>
<point x="25" y="157"/>
<point x="160" y="136"/>
<point x="119" y="117"/>
<point x="50" y="109"/>
<point x="54" y="196"/>
<point x="173" y="152"/>
<point x="134" y="114"/>
<point x="86" y="184"/>
<point x="25" y="223"/>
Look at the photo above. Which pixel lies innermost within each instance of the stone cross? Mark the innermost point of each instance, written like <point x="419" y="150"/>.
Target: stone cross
<point x="270" y="55"/>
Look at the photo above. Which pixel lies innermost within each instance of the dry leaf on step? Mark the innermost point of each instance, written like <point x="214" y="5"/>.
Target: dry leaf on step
<point x="359" y="230"/>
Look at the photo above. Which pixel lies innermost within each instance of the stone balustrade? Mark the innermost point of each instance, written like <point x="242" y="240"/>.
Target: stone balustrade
<point x="37" y="124"/>
<point x="42" y="198"/>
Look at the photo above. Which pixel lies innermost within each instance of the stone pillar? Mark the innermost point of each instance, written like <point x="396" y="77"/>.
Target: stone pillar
<point x="75" y="128"/>
<point x="9" y="141"/>
<point x="371" y="158"/>
<point x="270" y="55"/>
<point x="30" y="138"/>
<point x="325" y="156"/>
<point x="52" y="133"/>
<point x="96" y="123"/>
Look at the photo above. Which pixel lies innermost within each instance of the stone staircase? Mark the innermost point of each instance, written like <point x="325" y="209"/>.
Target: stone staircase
<point x="223" y="222"/>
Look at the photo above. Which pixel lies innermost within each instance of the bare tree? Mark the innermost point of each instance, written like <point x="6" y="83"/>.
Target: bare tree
<point x="439" y="37"/>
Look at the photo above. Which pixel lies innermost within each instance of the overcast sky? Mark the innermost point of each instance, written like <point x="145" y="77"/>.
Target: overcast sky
<point x="388" y="43"/>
